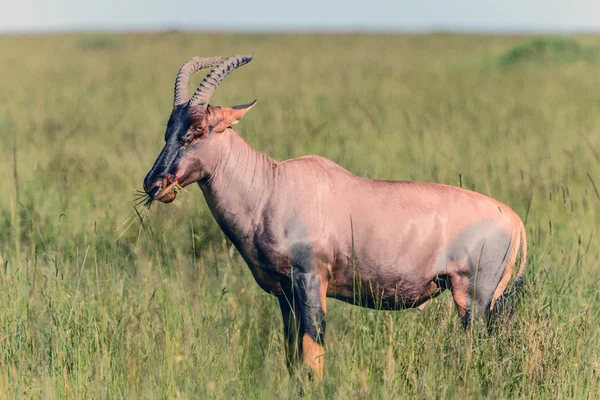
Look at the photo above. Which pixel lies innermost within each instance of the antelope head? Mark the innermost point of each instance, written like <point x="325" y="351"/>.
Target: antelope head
<point x="195" y="129"/>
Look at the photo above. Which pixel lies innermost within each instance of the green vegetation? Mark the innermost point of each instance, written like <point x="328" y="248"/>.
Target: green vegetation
<point x="90" y="309"/>
<point x="543" y="50"/>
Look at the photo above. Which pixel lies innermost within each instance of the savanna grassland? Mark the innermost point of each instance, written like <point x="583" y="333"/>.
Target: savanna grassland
<point x="95" y="304"/>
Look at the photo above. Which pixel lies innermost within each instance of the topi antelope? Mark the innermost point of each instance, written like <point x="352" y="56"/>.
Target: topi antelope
<point x="308" y="229"/>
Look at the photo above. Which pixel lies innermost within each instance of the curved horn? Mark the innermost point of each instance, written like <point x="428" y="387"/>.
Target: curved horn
<point x="185" y="73"/>
<point x="212" y="80"/>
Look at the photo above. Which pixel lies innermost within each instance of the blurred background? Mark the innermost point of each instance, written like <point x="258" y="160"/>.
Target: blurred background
<point x="308" y="15"/>
<point x="100" y="298"/>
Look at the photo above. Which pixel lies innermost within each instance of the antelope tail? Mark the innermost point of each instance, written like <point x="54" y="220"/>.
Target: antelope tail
<point x="521" y="270"/>
<point x="505" y="300"/>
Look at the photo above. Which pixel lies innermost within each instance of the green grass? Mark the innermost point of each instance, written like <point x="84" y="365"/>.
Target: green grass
<point x="548" y="50"/>
<point x="170" y="310"/>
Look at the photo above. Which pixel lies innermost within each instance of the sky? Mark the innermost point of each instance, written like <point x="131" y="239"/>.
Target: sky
<point x="305" y="15"/>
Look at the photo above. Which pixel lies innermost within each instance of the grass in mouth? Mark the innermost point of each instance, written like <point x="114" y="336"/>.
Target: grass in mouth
<point x="142" y="205"/>
<point x="144" y="202"/>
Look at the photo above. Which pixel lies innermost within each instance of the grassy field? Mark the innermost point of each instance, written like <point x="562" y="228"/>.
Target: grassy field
<point x="94" y="308"/>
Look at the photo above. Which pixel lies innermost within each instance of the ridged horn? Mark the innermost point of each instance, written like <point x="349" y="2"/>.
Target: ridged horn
<point x="212" y="80"/>
<point x="185" y="73"/>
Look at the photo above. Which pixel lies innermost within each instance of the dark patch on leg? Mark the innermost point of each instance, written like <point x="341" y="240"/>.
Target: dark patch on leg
<point x="302" y="257"/>
<point x="293" y="346"/>
<point x="307" y="292"/>
<point x="467" y="319"/>
<point x="312" y="322"/>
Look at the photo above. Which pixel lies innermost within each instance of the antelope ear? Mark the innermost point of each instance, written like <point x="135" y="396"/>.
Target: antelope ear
<point x="221" y="118"/>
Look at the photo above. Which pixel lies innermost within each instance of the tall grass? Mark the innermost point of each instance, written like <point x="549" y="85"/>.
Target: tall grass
<point x="167" y="308"/>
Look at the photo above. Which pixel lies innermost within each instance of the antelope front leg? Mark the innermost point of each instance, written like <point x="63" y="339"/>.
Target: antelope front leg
<point x="310" y="293"/>
<point x="291" y="329"/>
<point x="303" y="313"/>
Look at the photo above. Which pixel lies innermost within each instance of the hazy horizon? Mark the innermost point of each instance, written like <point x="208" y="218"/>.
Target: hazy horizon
<point x="469" y="16"/>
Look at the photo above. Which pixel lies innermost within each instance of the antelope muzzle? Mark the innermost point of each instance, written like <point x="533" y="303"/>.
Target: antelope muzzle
<point x="161" y="182"/>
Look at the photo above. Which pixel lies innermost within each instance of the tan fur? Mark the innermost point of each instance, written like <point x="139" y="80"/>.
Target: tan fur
<point x="313" y="355"/>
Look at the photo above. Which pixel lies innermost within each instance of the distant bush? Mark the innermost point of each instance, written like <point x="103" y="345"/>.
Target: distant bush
<point x="99" y="42"/>
<point x="546" y="50"/>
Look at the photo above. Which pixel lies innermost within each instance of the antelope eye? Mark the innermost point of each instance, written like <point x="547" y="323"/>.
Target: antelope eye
<point x="198" y="128"/>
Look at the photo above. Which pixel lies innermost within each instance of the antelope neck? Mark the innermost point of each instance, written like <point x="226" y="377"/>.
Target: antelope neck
<point x="239" y="185"/>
